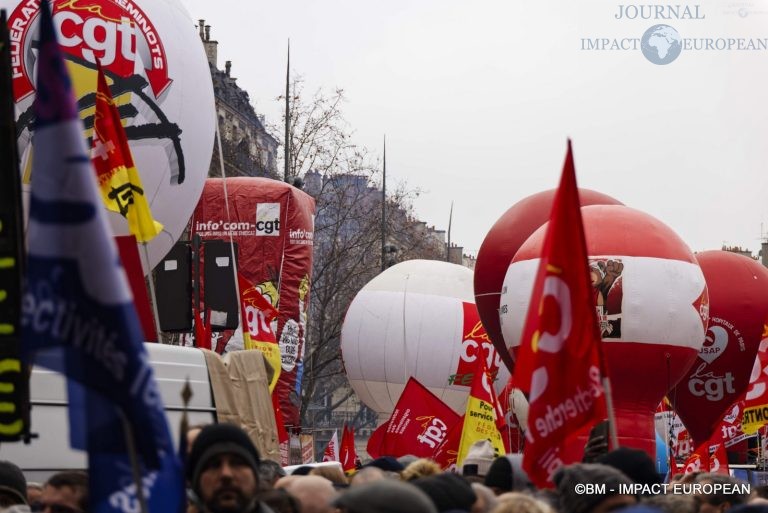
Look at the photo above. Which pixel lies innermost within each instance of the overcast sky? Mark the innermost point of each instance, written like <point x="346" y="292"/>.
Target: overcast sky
<point x="478" y="97"/>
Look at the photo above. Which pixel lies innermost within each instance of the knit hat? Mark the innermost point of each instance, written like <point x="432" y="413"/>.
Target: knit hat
<point x="481" y="454"/>
<point x="386" y="463"/>
<point x="568" y="477"/>
<point x="385" y="496"/>
<point x="13" y="482"/>
<point x="636" y="464"/>
<point x="217" y="439"/>
<point x="506" y="473"/>
<point x="447" y="491"/>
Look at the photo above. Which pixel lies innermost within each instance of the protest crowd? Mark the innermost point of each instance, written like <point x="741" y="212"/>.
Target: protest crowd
<point x="225" y="474"/>
<point x="78" y="319"/>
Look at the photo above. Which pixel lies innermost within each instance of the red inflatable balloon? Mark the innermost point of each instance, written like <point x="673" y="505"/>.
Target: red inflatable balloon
<point x="738" y="306"/>
<point x="651" y="298"/>
<point x="500" y="245"/>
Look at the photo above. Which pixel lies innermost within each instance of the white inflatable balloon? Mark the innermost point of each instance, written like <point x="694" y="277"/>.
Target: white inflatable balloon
<point x="417" y="318"/>
<point x="158" y="72"/>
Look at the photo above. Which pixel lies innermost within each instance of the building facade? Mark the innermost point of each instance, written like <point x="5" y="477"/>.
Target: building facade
<point x="249" y="150"/>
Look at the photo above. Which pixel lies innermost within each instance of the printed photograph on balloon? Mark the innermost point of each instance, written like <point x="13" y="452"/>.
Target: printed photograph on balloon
<point x="606" y="278"/>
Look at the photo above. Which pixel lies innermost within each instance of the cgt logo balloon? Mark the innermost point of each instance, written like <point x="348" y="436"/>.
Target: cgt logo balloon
<point x="153" y="59"/>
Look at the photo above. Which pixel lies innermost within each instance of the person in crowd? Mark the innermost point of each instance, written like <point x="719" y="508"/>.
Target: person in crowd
<point x="388" y="464"/>
<point x="269" y="472"/>
<point x="192" y="432"/>
<point x="486" y="499"/>
<point x="478" y="461"/>
<point x="65" y="492"/>
<point x="34" y="493"/>
<point x="314" y="493"/>
<point x="422" y="467"/>
<point x="303" y="470"/>
<point x="407" y="459"/>
<point x="760" y="491"/>
<point x="13" y="485"/>
<point x="367" y="475"/>
<point x="634" y="463"/>
<point x="332" y="474"/>
<point x="223" y="468"/>
<point x="671" y="502"/>
<point x="573" y="500"/>
<point x="280" y="501"/>
<point x="384" y="496"/>
<point x="506" y="474"/>
<point x="449" y="492"/>
<point x="718" y="502"/>
<point x="517" y="502"/>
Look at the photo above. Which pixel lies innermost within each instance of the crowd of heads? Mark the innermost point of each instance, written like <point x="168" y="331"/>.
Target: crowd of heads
<point x="225" y="474"/>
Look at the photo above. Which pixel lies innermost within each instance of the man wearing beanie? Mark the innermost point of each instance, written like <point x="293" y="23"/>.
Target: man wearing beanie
<point x="13" y="485"/>
<point x="448" y="492"/>
<point x="506" y="474"/>
<point x="223" y="468"/>
<point x="574" y="500"/>
<point x="634" y="463"/>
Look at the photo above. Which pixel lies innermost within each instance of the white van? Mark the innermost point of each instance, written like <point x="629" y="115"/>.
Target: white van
<point x="50" y="452"/>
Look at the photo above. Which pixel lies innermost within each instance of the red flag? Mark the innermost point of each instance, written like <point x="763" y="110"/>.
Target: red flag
<point x="347" y="453"/>
<point x="559" y="363"/>
<point x="202" y="333"/>
<point x="418" y="424"/>
<point x="331" y="452"/>
<point x="257" y="312"/>
<point x="447" y="452"/>
<point x="756" y="400"/>
<point x="698" y="461"/>
<point x="718" y="463"/>
<point x="673" y="470"/>
<point x="283" y="438"/>
<point x="129" y="254"/>
<point x="376" y="440"/>
<point x="207" y="329"/>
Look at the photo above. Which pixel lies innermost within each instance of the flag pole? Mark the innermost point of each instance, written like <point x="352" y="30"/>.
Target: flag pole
<point x="135" y="468"/>
<point x="152" y="292"/>
<point x="612" y="432"/>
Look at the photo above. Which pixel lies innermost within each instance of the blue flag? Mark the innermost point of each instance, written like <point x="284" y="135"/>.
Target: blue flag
<point x="78" y="315"/>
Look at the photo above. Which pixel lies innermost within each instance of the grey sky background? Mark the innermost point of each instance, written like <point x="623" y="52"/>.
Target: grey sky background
<point x="477" y="99"/>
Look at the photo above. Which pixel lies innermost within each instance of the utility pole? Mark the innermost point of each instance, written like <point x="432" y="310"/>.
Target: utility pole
<point x="384" y="210"/>
<point x="448" y="248"/>
<point x="287" y="144"/>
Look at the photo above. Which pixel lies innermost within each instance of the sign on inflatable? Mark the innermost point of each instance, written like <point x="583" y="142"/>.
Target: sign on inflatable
<point x="652" y="305"/>
<point x="273" y="225"/>
<point x="417" y="318"/>
<point x="157" y="71"/>
<point x="738" y="308"/>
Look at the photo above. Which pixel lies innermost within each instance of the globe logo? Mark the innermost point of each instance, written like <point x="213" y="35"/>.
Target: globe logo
<point x="661" y="44"/>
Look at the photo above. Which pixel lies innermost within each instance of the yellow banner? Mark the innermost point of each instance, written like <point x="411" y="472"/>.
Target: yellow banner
<point x="754" y="418"/>
<point x="271" y="353"/>
<point x="479" y="424"/>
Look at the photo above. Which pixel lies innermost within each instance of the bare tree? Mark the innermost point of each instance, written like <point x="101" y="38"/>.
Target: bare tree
<point x="343" y="178"/>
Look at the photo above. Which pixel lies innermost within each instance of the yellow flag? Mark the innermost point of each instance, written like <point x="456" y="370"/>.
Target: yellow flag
<point x="119" y="180"/>
<point x="482" y="416"/>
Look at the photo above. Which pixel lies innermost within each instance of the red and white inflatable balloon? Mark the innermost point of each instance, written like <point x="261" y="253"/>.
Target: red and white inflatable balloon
<point x="652" y="304"/>
<point x="738" y="307"/>
<point x="500" y="245"/>
<point x="417" y="318"/>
